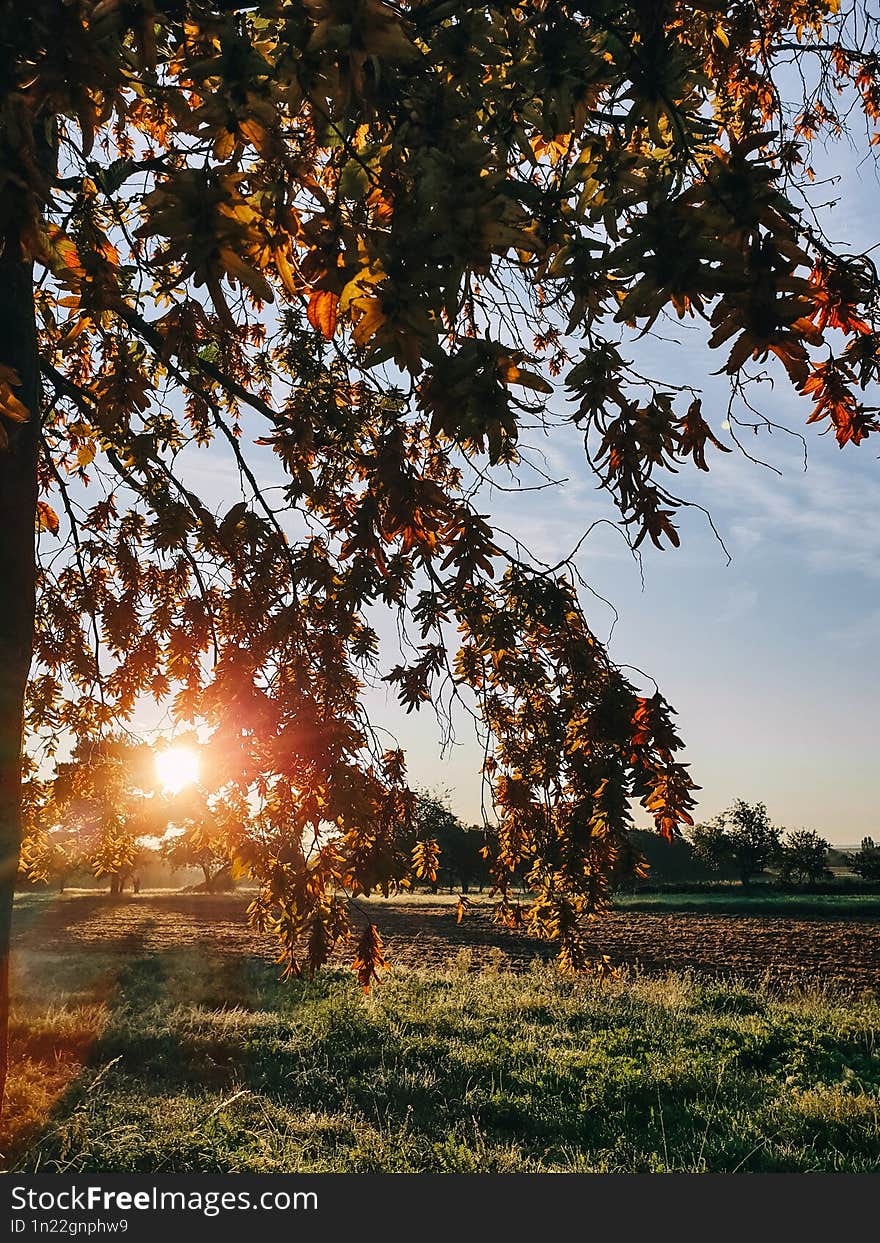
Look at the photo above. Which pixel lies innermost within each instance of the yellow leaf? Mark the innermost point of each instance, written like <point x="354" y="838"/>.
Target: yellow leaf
<point x="528" y="379"/>
<point x="256" y="283"/>
<point x="9" y="403"/>
<point x="285" y="271"/>
<point x="510" y="373"/>
<point x="370" y="321"/>
<point x="359" y="285"/>
<point x="59" y="253"/>
<point x="224" y="145"/>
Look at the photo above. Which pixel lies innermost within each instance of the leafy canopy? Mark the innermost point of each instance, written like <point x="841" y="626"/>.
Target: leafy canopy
<point x="348" y="245"/>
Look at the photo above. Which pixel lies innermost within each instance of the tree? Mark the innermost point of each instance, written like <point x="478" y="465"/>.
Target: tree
<point x="459" y="848"/>
<point x="866" y="861"/>
<point x="803" y="858"/>
<point x="202" y="851"/>
<point x="434" y="197"/>
<point x="651" y="858"/>
<point x="468" y="858"/>
<point x="742" y="836"/>
<point x="201" y="834"/>
<point x="46" y="860"/>
<point x="103" y="807"/>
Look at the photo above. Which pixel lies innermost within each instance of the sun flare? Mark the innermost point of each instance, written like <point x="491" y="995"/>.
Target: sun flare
<point x="176" y="768"/>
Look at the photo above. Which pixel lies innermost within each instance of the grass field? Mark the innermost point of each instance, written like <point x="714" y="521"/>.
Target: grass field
<point x="800" y="905"/>
<point x="186" y="1057"/>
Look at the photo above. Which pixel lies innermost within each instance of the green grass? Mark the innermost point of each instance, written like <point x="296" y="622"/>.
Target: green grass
<point x="179" y="1063"/>
<point x="738" y="902"/>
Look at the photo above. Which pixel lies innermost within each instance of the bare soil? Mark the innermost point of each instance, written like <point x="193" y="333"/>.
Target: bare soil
<point x="423" y="933"/>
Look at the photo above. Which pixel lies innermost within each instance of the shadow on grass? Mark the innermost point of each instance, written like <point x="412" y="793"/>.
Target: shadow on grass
<point x="210" y="1064"/>
<point x="149" y="1036"/>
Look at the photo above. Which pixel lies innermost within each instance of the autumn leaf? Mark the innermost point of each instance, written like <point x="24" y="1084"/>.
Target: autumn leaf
<point x="59" y="253"/>
<point x="695" y="434"/>
<point x="369" y="960"/>
<point x="513" y="374"/>
<point x="322" y="312"/>
<point x="425" y="858"/>
<point x="10" y="406"/>
<point x="47" y="519"/>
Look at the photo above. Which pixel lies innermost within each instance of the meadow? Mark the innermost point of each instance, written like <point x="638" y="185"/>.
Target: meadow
<point x="735" y="901"/>
<point x="139" y="1055"/>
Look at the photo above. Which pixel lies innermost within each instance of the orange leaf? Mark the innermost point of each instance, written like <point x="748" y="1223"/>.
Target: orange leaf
<point x="322" y="311"/>
<point x="47" y="519"/>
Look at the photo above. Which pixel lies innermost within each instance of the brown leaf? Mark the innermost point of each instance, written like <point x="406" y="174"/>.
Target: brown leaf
<point x="368" y="960"/>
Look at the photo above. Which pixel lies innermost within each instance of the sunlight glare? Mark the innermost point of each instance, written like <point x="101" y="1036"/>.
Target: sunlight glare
<point x="176" y="768"/>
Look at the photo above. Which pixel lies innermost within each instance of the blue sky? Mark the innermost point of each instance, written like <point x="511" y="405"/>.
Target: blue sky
<point x="771" y="660"/>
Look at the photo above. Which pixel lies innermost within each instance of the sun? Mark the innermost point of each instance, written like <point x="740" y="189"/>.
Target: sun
<point x="176" y="768"/>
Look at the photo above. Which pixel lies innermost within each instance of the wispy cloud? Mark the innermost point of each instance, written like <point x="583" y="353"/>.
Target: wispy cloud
<point x="825" y="517"/>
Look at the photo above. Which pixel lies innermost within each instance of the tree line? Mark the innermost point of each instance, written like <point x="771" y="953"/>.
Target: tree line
<point x="101" y="817"/>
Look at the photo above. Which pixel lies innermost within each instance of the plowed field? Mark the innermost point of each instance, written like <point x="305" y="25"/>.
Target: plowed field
<point x="423" y="932"/>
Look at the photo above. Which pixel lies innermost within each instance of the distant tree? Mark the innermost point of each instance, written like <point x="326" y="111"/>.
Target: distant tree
<point x="803" y="857"/>
<point x="711" y="845"/>
<point x="742" y="836"/>
<point x="460" y="862"/>
<point x="202" y="833"/>
<point x="866" y="861"/>
<point x="105" y="808"/>
<point x="476" y="869"/>
<point x="201" y="851"/>
<point x="117" y="857"/>
<point x="649" y="857"/>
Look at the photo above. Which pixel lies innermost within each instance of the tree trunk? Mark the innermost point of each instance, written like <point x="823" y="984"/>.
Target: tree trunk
<point x="18" y="500"/>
